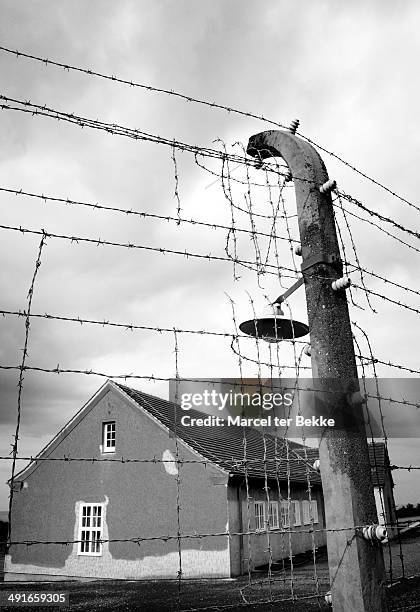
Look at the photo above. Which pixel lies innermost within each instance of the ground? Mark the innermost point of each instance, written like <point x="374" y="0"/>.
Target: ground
<point x="244" y="594"/>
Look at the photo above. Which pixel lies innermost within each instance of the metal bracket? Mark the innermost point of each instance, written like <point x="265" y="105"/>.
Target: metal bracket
<point x="319" y="258"/>
<point x="309" y="262"/>
<point x="291" y="290"/>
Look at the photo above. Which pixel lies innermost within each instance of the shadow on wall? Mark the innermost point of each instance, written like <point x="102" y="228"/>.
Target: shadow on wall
<point x="3" y="537"/>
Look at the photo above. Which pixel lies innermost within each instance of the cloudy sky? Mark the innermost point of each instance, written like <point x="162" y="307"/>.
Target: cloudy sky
<point x="346" y="70"/>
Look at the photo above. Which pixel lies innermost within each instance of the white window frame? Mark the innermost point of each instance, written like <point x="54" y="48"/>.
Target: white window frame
<point x="260" y="517"/>
<point x="91" y="520"/>
<point x="314" y="511"/>
<point x="285" y="513"/>
<point x="298" y="521"/>
<point x="306" y="512"/>
<point x="273" y="515"/>
<point x="109" y="431"/>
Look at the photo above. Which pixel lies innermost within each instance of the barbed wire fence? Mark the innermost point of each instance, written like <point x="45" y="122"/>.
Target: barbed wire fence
<point x="258" y="243"/>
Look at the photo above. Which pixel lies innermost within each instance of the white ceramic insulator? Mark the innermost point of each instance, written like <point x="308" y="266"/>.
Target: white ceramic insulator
<point x="381" y="533"/>
<point x="328" y="598"/>
<point x="316" y="465"/>
<point x="298" y="249"/>
<point x="376" y="533"/>
<point x="307" y="350"/>
<point x="341" y="283"/>
<point x="294" y="126"/>
<point x="328" y="186"/>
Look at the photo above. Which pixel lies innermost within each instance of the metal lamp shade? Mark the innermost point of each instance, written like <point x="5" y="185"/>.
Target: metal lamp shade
<point x="274" y="328"/>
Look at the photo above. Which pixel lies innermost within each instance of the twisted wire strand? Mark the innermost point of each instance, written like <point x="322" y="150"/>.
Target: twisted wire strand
<point x="22" y="369"/>
<point x="171" y="92"/>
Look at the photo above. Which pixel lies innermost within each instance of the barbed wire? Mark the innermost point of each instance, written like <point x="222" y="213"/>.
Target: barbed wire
<point x="381" y="229"/>
<point x="383" y="218"/>
<point x="126" y="326"/>
<point x="199" y="536"/>
<point x="130" y="211"/>
<point x="43" y="110"/>
<point x="343" y="253"/>
<point x="152" y="377"/>
<point x="176" y="188"/>
<point x="386" y="298"/>
<point x="370" y="433"/>
<point x="389" y="364"/>
<point x="259" y="265"/>
<point x="115" y="129"/>
<point x="288" y="177"/>
<point x="233" y="462"/>
<point x="379" y="277"/>
<point x="22" y="368"/>
<point x="272" y="235"/>
<point x="234" y="179"/>
<point x="345" y="211"/>
<point x="353" y="246"/>
<point x="160" y="330"/>
<point x="98" y="241"/>
<point x="131" y="245"/>
<point x="177" y="455"/>
<point x="229" y="109"/>
<point x="363" y="358"/>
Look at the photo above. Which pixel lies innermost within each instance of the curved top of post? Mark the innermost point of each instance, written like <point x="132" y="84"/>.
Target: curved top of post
<point x="308" y="173"/>
<point x="303" y="160"/>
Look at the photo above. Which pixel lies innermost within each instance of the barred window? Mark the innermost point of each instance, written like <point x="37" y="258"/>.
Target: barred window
<point x="90" y="529"/>
<point x="273" y="515"/>
<point x="306" y="513"/>
<point x="296" y="520"/>
<point x="310" y="512"/>
<point x="259" y="516"/>
<point x="285" y="513"/>
<point x="314" y="510"/>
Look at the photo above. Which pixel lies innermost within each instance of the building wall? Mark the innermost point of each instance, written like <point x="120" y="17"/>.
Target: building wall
<point x="250" y="551"/>
<point x="141" y="501"/>
<point x="236" y="544"/>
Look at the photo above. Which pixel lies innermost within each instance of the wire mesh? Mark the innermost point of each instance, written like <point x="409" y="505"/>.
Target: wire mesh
<point x="277" y="539"/>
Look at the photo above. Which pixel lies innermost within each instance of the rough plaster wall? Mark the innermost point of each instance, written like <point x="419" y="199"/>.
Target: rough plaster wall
<point x="194" y="563"/>
<point x="142" y="503"/>
<point x="282" y="544"/>
<point x="234" y="527"/>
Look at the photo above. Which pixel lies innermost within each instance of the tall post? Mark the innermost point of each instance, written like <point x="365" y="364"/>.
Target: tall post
<point x="356" y="565"/>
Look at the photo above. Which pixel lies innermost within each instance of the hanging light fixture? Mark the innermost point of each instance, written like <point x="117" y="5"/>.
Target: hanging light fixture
<point x="273" y="326"/>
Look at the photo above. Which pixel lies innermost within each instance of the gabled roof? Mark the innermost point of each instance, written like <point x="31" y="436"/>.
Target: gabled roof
<point x="238" y="450"/>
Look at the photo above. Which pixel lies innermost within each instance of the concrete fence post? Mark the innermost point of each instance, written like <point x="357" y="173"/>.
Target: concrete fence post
<point x="356" y="565"/>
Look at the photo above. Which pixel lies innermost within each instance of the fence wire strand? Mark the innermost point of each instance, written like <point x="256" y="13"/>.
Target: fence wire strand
<point x="278" y="514"/>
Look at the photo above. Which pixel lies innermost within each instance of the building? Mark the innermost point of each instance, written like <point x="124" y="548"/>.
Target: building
<point x="152" y="498"/>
